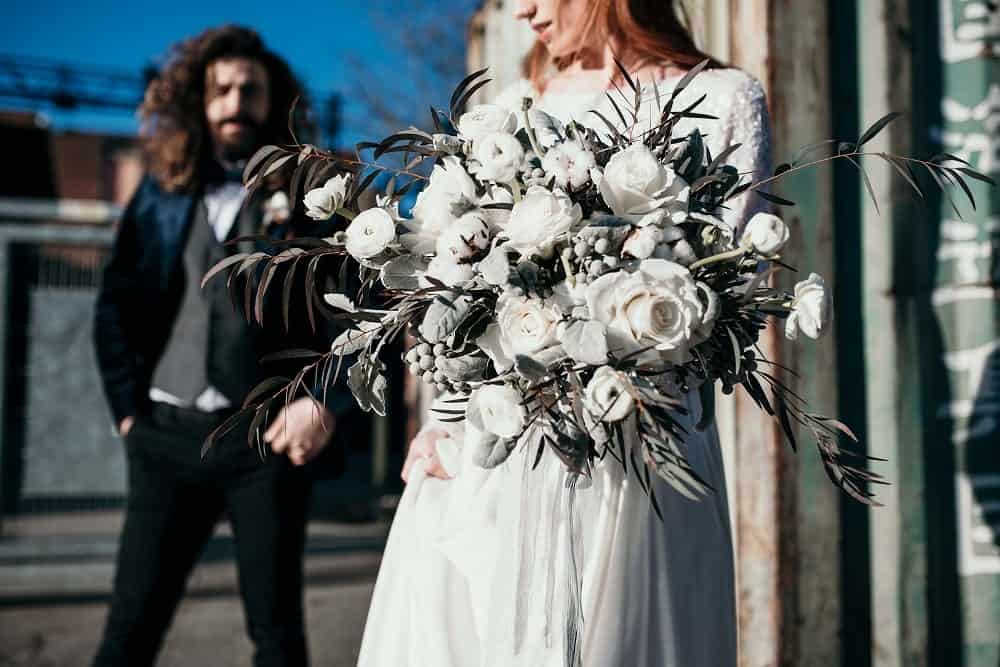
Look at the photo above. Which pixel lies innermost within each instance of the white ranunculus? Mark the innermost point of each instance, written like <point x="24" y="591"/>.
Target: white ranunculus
<point x="322" y="202"/>
<point x="448" y="271"/>
<point x="812" y="309"/>
<point x="539" y="219"/>
<point x="607" y="395"/>
<point x="449" y="194"/>
<point x="501" y="409"/>
<point x="370" y="233"/>
<point x="642" y="241"/>
<point x="467" y="238"/>
<point x="527" y="325"/>
<point x="569" y="164"/>
<point x="656" y="307"/>
<point x="766" y="233"/>
<point x="500" y="156"/>
<point x="484" y="119"/>
<point x="635" y="184"/>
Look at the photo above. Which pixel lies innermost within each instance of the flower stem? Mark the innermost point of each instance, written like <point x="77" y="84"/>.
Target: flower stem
<point x="721" y="257"/>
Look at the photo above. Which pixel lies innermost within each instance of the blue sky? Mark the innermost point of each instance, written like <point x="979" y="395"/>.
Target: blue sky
<point x="322" y="40"/>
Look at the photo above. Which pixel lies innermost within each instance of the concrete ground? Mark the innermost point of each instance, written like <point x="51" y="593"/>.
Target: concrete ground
<point x="55" y="576"/>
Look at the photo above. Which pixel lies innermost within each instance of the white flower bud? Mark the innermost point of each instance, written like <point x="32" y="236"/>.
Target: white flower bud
<point x="765" y="233"/>
<point x="322" y="202"/>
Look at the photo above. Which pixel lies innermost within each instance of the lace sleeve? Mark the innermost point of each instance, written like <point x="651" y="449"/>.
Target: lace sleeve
<point x="748" y="124"/>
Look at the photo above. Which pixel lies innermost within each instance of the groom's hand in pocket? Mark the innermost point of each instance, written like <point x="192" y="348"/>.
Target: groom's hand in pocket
<point x="301" y="430"/>
<point x="424" y="446"/>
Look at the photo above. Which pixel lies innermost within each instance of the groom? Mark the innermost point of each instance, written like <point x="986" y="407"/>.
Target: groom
<point x="177" y="360"/>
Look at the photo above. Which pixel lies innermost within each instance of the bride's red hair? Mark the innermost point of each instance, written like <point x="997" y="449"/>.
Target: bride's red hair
<point x="652" y="30"/>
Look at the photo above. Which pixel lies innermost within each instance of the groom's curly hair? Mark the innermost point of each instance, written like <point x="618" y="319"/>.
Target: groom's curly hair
<point x="176" y="137"/>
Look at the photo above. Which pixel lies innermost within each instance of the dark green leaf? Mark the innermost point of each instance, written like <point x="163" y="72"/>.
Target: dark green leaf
<point x="265" y="386"/>
<point x="971" y="173"/>
<point x="297" y="353"/>
<point x="222" y="266"/>
<point x="877" y="127"/>
<point x="774" y="199"/>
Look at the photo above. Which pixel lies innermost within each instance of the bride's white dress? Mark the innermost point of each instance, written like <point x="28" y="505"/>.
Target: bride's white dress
<point x="475" y="568"/>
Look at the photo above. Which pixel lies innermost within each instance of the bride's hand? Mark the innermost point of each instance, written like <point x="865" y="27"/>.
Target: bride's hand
<point x="424" y="446"/>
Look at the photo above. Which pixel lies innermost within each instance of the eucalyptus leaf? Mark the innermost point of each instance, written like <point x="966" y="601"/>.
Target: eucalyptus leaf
<point x="443" y="316"/>
<point x="403" y="273"/>
<point x="490" y="450"/>
<point x="529" y="368"/>
<point x="368" y="385"/>
<point x="495" y="268"/>
<point x="586" y="342"/>
<point x="354" y="340"/>
<point x="467" y="368"/>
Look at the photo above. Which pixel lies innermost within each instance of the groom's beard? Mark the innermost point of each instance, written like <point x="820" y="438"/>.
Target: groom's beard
<point x="236" y="139"/>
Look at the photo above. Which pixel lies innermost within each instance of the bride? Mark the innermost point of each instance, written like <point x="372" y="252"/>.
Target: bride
<point x="478" y="570"/>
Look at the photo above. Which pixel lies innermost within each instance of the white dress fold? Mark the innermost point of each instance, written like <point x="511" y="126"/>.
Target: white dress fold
<point x="477" y="569"/>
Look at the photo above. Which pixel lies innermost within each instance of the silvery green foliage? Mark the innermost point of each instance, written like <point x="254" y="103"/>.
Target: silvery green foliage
<point x="530" y="368"/>
<point x="403" y="273"/>
<point x="443" y="316"/>
<point x="368" y="384"/>
<point x="586" y="342"/>
<point x="466" y="368"/>
<point x="491" y="450"/>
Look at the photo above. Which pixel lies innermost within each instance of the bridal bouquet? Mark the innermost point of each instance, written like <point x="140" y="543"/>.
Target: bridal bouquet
<point x="565" y="285"/>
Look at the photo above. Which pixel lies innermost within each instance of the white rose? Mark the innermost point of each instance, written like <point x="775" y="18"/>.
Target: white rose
<point x="812" y="309"/>
<point x="523" y="326"/>
<point x="370" y="233"/>
<point x="322" y="202"/>
<point x="499" y="409"/>
<point x="484" y="119"/>
<point x="448" y="271"/>
<point x="467" y="238"/>
<point x="500" y="156"/>
<point x="642" y="241"/>
<point x="607" y="395"/>
<point x="539" y="219"/>
<point x="766" y="233"/>
<point x="526" y="325"/>
<point x="656" y="307"/>
<point x="635" y="184"/>
<point x="570" y="164"/>
<point x="450" y="192"/>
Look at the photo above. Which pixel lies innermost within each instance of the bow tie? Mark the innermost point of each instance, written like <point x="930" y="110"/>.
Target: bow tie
<point x="216" y="174"/>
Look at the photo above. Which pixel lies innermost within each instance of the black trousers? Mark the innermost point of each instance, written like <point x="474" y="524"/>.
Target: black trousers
<point x="175" y="500"/>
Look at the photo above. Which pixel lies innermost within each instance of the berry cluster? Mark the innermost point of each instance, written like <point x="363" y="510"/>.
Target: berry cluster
<point x="425" y="362"/>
